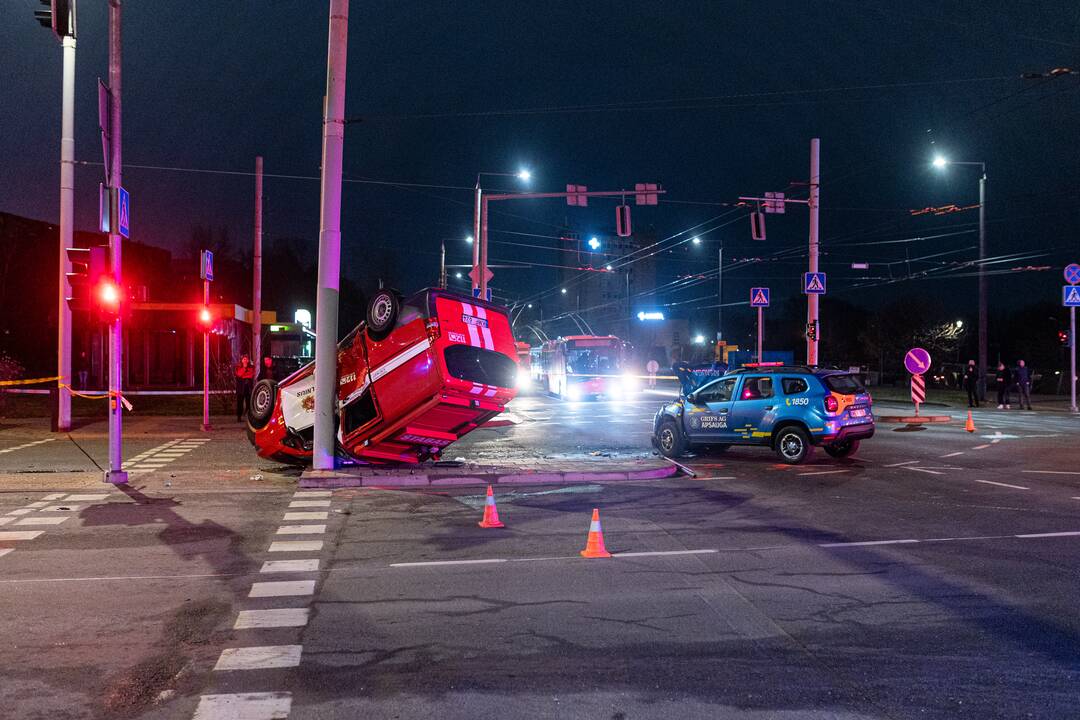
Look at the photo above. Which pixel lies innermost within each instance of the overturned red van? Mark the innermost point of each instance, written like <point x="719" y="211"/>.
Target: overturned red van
<point x="414" y="377"/>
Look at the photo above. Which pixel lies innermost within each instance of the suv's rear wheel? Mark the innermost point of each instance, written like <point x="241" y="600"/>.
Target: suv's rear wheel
<point x="792" y="445"/>
<point x="382" y="312"/>
<point x="261" y="404"/>
<point x="842" y="448"/>
<point x="669" y="441"/>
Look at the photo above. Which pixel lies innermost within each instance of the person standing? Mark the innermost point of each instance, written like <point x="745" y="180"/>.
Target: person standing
<point x="971" y="384"/>
<point x="245" y="379"/>
<point x="1004" y="380"/>
<point x="1023" y="384"/>
<point x="266" y="372"/>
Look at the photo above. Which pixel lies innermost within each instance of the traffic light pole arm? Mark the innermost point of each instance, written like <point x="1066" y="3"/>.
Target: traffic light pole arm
<point x="784" y="200"/>
<point x="590" y="193"/>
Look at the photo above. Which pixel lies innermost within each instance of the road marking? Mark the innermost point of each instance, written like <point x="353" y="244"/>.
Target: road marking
<point x="5" y="520"/>
<point x="868" y="542"/>
<point x="296" y="546"/>
<point x="822" y="472"/>
<point x="284" y="588"/>
<point x="991" y="482"/>
<point x="309" y="503"/>
<point x="53" y="496"/>
<point x="717" y="477"/>
<point x="20" y="534"/>
<point x="906" y="462"/>
<point x="26" y="445"/>
<point x="48" y="520"/>
<point x="244" y="706"/>
<point x="5" y="551"/>
<point x="276" y="566"/>
<point x="39" y="503"/>
<point x="259" y="658"/>
<point x="707" y="551"/>
<point x="449" y="562"/>
<point x="924" y="470"/>
<point x="21" y="511"/>
<point x="301" y="530"/>
<point x="86" y="498"/>
<point x="953" y="454"/>
<point x="1046" y="535"/>
<point x="62" y="508"/>
<point x="283" y="617"/>
<point x="302" y="494"/>
<point x="305" y="515"/>
<point x="980" y="447"/>
<point x="1052" y="472"/>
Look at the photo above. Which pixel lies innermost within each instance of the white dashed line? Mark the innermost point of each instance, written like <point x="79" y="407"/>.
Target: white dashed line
<point x="450" y="562"/>
<point x="1052" y="472"/>
<point x="39" y="503"/>
<point x="305" y="515"/>
<point x="284" y="566"/>
<point x="281" y="617"/>
<point x="48" y="520"/>
<point x="1046" y="535"/>
<point x="86" y="498"/>
<point x="303" y="494"/>
<point x="5" y="551"/>
<point x="822" y="472"/>
<point x="309" y="503"/>
<point x="20" y="534"/>
<point x="1001" y="484"/>
<point x="953" y="454"/>
<point x="868" y="542"/>
<point x="26" y="445"/>
<point x="53" y="496"/>
<point x="296" y="546"/>
<point x="244" y="706"/>
<point x="5" y="520"/>
<point x="283" y="588"/>
<point x="259" y="658"/>
<point x="980" y="447"/>
<point x="928" y="471"/>
<point x="906" y="462"/>
<point x="21" y="511"/>
<point x="301" y="530"/>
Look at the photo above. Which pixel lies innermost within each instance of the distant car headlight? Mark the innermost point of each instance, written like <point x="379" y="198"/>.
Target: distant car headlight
<point x="524" y="377"/>
<point x="573" y="392"/>
<point x="629" y="383"/>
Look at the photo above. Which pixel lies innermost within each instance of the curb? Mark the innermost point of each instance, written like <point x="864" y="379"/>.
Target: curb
<point x="475" y="477"/>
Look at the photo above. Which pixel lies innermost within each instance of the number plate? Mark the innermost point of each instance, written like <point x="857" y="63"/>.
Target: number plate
<point x="858" y="412"/>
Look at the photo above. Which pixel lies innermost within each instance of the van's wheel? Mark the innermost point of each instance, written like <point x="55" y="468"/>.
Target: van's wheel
<point x="792" y="445"/>
<point x="261" y="404"/>
<point x="382" y="312"/>
<point x="843" y="448"/>
<point x="669" y="440"/>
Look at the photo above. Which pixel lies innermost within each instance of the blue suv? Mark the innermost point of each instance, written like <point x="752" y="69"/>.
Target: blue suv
<point x="788" y="408"/>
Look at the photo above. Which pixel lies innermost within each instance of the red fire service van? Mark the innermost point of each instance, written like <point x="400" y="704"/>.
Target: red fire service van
<point x="414" y="377"/>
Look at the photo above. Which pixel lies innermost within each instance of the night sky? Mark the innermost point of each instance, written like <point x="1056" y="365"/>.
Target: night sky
<point x="710" y="99"/>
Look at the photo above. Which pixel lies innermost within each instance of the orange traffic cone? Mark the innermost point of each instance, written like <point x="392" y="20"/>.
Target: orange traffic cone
<point x="970" y="424"/>
<point x="594" y="547"/>
<point x="491" y="513"/>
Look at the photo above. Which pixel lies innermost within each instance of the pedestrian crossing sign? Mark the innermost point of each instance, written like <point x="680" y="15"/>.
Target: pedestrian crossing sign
<point x="759" y="297"/>
<point x="1070" y="296"/>
<point x="814" y="283"/>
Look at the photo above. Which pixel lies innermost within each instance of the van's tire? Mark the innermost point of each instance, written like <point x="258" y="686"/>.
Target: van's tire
<point x="382" y="313"/>
<point x="842" y="448"/>
<point x="792" y="445"/>
<point x="261" y="404"/>
<point x="669" y="441"/>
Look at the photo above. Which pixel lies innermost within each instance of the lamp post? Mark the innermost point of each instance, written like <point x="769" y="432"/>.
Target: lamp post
<point x="479" y="271"/>
<point x="941" y="162"/>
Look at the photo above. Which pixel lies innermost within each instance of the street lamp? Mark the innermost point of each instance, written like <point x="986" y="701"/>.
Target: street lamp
<point x="479" y="253"/>
<point x="469" y="239"/>
<point x="594" y="243"/>
<point x="696" y="240"/>
<point x="941" y="162"/>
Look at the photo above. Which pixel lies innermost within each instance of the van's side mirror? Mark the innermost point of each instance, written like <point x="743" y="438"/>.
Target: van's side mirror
<point x="692" y="398"/>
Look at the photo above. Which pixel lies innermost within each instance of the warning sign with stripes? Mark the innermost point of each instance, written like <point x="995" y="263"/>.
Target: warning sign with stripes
<point x="918" y="389"/>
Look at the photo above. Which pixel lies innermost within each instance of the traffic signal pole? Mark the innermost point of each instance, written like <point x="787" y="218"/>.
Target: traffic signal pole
<point x="115" y="474"/>
<point x="1072" y="359"/>
<point x="256" y="265"/>
<point x="206" y="361"/>
<point x="67" y="219"/>
<point x="812" y="311"/>
<point x="326" y="310"/>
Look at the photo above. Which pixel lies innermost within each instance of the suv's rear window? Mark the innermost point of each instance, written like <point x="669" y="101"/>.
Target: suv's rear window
<point x="477" y="365"/>
<point x="793" y="386"/>
<point x="846" y="384"/>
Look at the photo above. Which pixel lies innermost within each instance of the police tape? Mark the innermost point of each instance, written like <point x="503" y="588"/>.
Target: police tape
<point x="103" y="395"/>
<point x="28" y="381"/>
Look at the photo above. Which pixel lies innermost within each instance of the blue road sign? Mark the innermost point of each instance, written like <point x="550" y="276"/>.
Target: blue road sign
<point x="1072" y="274"/>
<point x="759" y="297"/>
<point x="123" y="210"/>
<point x="1070" y="296"/>
<point x="917" y="361"/>
<point x="206" y="266"/>
<point x="814" y="283"/>
<point x="476" y="292"/>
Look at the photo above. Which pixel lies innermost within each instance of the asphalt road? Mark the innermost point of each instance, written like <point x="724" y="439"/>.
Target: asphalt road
<point x="932" y="575"/>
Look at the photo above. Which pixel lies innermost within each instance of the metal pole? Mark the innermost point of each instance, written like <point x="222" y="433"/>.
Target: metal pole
<point x="442" y="265"/>
<point x="476" y="238"/>
<point x="206" y="362"/>
<point x="483" y="272"/>
<point x="256" y="270"/>
<point x="1072" y="358"/>
<point x="720" y="294"/>
<point x="812" y="298"/>
<point x="760" y="334"/>
<point x="982" y="286"/>
<point x="326" y="311"/>
<point x="115" y="473"/>
<point x="67" y="219"/>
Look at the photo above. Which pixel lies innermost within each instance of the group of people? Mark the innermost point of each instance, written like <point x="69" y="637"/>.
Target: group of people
<point x="1006" y="380"/>
<point x="245" y="381"/>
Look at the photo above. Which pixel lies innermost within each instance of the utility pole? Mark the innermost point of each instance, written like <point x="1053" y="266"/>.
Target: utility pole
<point x="982" y="285"/>
<point x="256" y="269"/>
<point x="720" y="294"/>
<point x="812" y="313"/>
<point x="206" y="360"/>
<point x="476" y="239"/>
<point x="115" y="473"/>
<point x="442" y="265"/>
<point x="67" y="220"/>
<point x="760" y="333"/>
<point x="326" y="309"/>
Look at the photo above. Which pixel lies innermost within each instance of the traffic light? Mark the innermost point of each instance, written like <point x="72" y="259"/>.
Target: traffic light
<point x="757" y="226"/>
<point x="1064" y="338"/>
<point x="60" y="17"/>
<point x="206" y="318"/>
<point x="622" y="221"/>
<point x="812" y="330"/>
<point x="89" y="266"/>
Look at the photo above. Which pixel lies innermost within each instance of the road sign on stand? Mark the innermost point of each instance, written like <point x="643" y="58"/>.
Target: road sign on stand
<point x="1072" y="274"/>
<point x="917" y="361"/>
<point x="206" y="265"/>
<point x="759" y="297"/>
<point x="1070" y="296"/>
<point x="123" y="212"/>
<point x="918" y="391"/>
<point x="814" y="283"/>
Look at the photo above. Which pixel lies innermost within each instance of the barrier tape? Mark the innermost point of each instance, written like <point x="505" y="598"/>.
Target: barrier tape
<point x="105" y="394"/>
<point x="29" y="381"/>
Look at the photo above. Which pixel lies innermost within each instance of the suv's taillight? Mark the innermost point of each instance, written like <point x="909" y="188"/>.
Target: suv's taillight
<point x="432" y="328"/>
<point x="831" y="405"/>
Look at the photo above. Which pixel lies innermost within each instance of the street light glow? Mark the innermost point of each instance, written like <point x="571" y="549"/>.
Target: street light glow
<point x="699" y="339"/>
<point x="594" y="243"/>
<point x="653" y="315"/>
<point x="940" y="161"/>
<point x="457" y="276"/>
<point x="524" y="175"/>
<point x="469" y="239"/>
<point x="563" y="291"/>
<point x="959" y="323"/>
<point x="696" y="240"/>
<point x="608" y="268"/>
<point x="530" y="306"/>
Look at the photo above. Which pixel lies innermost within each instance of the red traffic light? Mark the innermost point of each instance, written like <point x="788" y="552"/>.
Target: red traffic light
<point x="205" y="316"/>
<point x="108" y="295"/>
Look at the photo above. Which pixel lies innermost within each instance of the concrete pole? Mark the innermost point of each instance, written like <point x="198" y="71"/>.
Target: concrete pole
<point x="760" y="333"/>
<point x="812" y="314"/>
<point x="1072" y="359"/>
<point x="982" y="286"/>
<point x="442" y="265"/>
<point x="206" y="362"/>
<point x="476" y="237"/>
<point x="483" y="249"/>
<point x="115" y="473"/>
<point x="256" y="270"/>
<point x="67" y="220"/>
<point x="720" y="294"/>
<point x="326" y="309"/>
